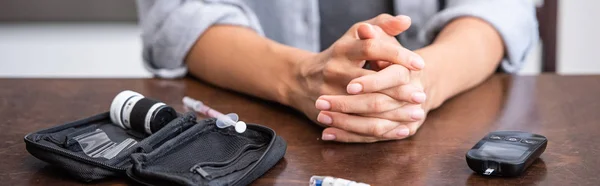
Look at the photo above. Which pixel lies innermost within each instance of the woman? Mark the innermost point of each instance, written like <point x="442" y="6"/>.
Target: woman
<point x="349" y="65"/>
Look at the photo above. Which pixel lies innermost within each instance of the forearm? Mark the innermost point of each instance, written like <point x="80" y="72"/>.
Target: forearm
<point x="239" y="59"/>
<point x="464" y="54"/>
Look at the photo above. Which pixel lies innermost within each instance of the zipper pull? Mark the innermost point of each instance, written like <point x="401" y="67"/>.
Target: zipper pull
<point x="198" y="170"/>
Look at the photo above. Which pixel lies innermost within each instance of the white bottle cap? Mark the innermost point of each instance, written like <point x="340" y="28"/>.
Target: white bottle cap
<point x="117" y="105"/>
<point x="240" y="126"/>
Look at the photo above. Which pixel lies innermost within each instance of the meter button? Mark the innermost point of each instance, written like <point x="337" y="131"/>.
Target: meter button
<point x="529" y="141"/>
<point x="513" y="139"/>
<point x="494" y="137"/>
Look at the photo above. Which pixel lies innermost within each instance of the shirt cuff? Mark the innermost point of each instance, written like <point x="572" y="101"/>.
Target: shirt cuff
<point x="515" y="20"/>
<point x="173" y="26"/>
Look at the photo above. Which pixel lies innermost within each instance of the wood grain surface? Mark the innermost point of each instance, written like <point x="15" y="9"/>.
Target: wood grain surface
<point x="566" y="109"/>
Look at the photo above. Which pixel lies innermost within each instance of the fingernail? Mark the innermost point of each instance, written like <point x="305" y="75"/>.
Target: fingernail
<point x="325" y="119"/>
<point x="417" y="114"/>
<point x="322" y="104"/>
<point x="403" y="17"/>
<point x="370" y="26"/>
<point x="417" y="62"/>
<point x="419" y="97"/>
<point x="354" y="88"/>
<point x="402" y="132"/>
<point x="328" y="137"/>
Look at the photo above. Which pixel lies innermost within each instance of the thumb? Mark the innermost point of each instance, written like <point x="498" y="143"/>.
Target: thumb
<point x="365" y="31"/>
<point x="392" y="25"/>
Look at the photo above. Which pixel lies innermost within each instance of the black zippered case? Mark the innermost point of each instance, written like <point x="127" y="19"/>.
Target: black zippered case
<point x="186" y="151"/>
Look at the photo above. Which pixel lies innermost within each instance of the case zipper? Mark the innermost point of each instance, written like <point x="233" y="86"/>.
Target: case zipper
<point x="72" y="155"/>
<point x="198" y="170"/>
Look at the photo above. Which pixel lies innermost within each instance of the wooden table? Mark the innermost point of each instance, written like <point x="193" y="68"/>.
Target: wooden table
<point x="566" y="109"/>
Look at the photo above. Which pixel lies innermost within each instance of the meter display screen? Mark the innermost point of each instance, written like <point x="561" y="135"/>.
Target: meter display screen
<point x="502" y="151"/>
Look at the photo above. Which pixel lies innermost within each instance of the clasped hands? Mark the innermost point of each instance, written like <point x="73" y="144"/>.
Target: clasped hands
<point x="384" y="102"/>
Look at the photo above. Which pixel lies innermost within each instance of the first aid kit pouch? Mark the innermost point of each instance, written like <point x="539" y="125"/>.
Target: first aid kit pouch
<point x="186" y="151"/>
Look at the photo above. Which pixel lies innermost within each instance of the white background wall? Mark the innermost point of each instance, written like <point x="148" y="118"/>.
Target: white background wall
<point x="113" y="50"/>
<point x="71" y="50"/>
<point x="578" y="37"/>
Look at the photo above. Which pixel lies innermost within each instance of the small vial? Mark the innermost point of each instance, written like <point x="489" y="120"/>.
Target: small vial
<point x="332" y="181"/>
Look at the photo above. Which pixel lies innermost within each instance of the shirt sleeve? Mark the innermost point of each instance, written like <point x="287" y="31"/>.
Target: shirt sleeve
<point x="515" y="20"/>
<point x="170" y="28"/>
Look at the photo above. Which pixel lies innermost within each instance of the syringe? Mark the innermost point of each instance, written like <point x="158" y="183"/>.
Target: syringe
<point x="223" y="120"/>
<point x="331" y="181"/>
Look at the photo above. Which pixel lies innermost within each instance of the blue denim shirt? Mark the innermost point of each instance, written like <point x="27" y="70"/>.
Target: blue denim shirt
<point x="171" y="27"/>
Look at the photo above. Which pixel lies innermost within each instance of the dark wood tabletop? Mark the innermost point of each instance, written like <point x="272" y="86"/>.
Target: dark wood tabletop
<point x="566" y="109"/>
